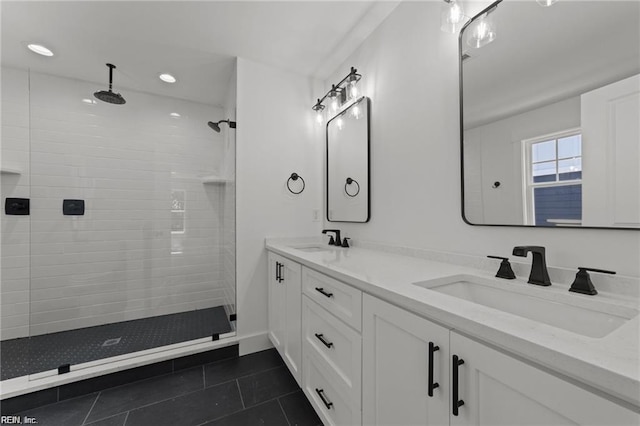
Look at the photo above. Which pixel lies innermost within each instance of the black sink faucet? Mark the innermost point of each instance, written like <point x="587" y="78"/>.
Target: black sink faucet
<point x="539" y="274"/>
<point x="332" y="242"/>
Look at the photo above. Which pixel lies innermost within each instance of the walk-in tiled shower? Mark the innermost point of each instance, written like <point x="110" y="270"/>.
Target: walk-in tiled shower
<point x="129" y="240"/>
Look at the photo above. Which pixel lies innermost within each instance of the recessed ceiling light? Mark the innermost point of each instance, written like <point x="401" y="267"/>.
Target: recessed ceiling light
<point x="175" y="115"/>
<point x="89" y="101"/>
<point x="40" y="49"/>
<point x="167" y="78"/>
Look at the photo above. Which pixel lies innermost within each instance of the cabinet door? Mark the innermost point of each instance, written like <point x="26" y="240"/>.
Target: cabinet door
<point x="395" y="367"/>
<point x="276" y="319"/>
<point x="498" y="389"/>
<point x="291" y="281"/>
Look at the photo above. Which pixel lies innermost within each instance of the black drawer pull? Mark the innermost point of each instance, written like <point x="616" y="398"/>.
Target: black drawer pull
<point x="432" y="385"/>
<point x="324" y="342"/>
<point x="324" y="399"/>
<point x="278" y="271"/>
<point x="321" y="290"/>
<point x="456" y="402"/>
<point x="280" y="277"/>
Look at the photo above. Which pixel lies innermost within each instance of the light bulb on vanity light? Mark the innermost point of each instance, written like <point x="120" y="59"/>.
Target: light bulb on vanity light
<point x="334" y="105"/>
<point x="353" y="90"/>
<point x="334" y="100"/>
<point x="319" y="109"/>
<point x="355" y="111"/>
<point x="483" y="31"/>
<point x="352" y="84"/>
<point x="452" y="16"/>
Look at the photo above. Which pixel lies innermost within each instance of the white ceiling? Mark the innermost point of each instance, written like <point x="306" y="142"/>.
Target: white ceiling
<point x="195" y="41"/>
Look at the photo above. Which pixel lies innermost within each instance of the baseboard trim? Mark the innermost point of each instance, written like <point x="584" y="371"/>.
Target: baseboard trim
<point x="255" y="342"/>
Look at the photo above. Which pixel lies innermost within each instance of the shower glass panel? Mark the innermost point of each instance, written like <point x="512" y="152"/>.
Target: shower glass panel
<point x="131" y="233"/>
<point x="16" y="229"/>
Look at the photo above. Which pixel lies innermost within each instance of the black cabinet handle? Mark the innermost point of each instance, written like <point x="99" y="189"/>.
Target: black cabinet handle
<point x="456" y="402"/>
<point x="278" y="271"/>
<point x="432" y="385"/>
<point x="324" y="399"/>
<point x="280" y="277"/>
<point x="321" y="290"/>
<point x="324" y="342"/>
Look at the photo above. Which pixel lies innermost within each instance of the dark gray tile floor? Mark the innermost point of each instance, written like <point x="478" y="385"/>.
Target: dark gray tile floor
<point x="255" y="389"/>
<point x="19" y="357"/>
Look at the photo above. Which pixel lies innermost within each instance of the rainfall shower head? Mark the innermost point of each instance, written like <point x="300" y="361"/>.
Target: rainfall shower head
<point x="216" y="126"/>
<point x="110" y="96"/>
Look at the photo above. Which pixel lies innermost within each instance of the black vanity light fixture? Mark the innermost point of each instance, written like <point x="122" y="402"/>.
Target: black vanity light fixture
<point x="339" y="94"/>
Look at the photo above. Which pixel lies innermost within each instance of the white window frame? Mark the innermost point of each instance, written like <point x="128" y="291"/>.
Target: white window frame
<point x="528" y="185"/>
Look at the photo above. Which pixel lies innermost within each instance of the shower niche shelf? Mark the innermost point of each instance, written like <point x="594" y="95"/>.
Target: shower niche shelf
<point x="214" y="180"/>
<point x="10" y="171"/>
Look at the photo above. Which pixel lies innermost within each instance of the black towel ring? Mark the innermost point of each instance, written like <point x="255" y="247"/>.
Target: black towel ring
<point x="349" y="182"/>
<point x="294" y="177"/>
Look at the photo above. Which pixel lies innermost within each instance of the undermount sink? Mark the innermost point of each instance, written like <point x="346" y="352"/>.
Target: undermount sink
<point x="312" y="249"/>
<point x="591" y="318"/>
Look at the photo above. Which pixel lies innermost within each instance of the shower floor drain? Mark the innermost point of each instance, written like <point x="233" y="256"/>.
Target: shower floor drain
<point x="111" y="342"/>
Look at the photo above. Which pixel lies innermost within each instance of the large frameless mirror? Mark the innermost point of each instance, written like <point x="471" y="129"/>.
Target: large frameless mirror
<point x="550" y="100"/>
<point x="348" y="164"/>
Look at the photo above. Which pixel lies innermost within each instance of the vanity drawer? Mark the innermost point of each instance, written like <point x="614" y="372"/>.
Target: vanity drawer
<point x="337" y="345"/>
<point x="341" y="300"/>
<point x="327" y="394"/>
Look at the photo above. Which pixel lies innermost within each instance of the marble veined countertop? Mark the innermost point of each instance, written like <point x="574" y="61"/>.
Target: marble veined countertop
<point x="610" y="364"/>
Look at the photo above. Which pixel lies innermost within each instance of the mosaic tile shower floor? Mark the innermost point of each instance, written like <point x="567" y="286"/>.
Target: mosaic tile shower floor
<point x="19" y="357"/>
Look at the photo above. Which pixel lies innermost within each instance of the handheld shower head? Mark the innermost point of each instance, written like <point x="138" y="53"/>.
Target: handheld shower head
<point x="216" y="126"/>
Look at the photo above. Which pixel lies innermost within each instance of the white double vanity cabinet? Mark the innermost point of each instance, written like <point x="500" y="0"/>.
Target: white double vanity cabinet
<point x="363" y="360"/>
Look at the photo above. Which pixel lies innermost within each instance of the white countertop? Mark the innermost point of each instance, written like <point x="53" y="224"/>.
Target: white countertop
<point x="610" y="364"/>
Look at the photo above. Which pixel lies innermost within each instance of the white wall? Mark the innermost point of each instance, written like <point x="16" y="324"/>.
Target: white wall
<point x="410" y="71"/>
<point x="276" y="136"/>
<point x="119" y="261"/>
<point x="493" y="152"/>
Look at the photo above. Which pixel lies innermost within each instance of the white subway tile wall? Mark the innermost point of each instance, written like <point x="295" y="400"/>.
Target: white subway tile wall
<point x="121" y="260"/>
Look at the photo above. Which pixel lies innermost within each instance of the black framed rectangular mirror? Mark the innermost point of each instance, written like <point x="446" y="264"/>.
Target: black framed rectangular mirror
<point x="550" y="100"/>
<point x="348" y="164"/>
